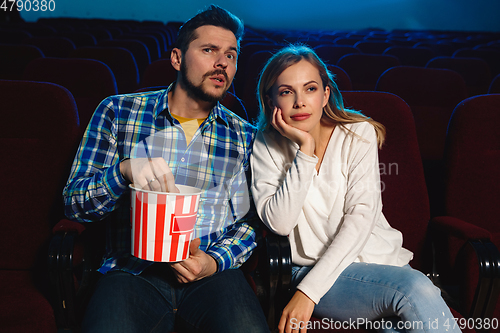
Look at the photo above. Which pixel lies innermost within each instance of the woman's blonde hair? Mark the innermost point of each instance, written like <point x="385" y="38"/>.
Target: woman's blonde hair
<point x="334" y="110"/>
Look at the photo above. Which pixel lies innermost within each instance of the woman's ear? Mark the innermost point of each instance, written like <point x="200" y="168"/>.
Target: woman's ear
<point x="327" y="95"/>
<point x="269" y="102"/>
<point x="176" y="58"/>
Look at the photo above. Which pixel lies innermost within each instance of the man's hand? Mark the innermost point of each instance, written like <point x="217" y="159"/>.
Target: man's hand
<point x="296" y="314"/>
<point x="149" y="174"/>
<point x="196" y="267"/>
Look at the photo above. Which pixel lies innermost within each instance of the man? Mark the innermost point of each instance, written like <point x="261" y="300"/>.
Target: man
<point x="204" y="293"/>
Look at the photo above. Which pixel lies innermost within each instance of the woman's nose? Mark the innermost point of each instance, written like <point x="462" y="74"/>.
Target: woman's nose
<point x="299" y="102"/>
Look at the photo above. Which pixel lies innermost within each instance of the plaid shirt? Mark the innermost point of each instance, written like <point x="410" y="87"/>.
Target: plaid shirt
<point x="216" y="159"/>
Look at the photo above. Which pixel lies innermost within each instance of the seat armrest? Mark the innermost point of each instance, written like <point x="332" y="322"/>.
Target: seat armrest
<point x="458" y="228"/>
<point x="279" y="270"/>
<point x="72" y="270"/>
<point x="60" y="262"/>
<point x="465" y="255"/>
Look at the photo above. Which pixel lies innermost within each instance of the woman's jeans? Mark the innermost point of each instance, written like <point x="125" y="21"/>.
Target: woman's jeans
<point x="155" y="302"/>
<point x="381" y="297"/>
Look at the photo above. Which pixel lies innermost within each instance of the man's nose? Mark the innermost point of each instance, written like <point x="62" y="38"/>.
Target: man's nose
<point x="221" y="61"/>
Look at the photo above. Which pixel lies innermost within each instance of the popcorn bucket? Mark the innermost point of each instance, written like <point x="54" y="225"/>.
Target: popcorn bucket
<point x="162" y="223"/>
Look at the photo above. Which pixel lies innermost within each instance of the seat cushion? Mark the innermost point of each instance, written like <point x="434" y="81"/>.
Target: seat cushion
<point x="23" y="308"/>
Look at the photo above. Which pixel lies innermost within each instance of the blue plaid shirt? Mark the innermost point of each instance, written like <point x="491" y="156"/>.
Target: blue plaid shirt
<point x="215" y="160"/>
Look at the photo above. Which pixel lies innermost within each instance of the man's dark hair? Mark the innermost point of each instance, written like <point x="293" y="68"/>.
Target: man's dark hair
<point x="213" y="15"/>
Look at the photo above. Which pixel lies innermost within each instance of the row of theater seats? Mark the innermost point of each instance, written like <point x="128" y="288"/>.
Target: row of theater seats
<point x="41" y="130"/>
<point x="433" y="95"/>
<point x="474" y="56"/>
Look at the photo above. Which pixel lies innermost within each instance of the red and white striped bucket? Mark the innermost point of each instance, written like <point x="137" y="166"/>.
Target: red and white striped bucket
<point x="162" y="223"/>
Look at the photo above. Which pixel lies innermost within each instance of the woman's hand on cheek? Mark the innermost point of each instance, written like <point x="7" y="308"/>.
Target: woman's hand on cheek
<point x="296" y="314"/>
<point x="302" y="138"/>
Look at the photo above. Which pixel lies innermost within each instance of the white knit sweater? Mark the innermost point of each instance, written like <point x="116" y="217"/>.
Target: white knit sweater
<point x="332" y="217"/>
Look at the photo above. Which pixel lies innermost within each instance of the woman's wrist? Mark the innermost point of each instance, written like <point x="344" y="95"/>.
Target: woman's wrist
<point x="307" y="147"/>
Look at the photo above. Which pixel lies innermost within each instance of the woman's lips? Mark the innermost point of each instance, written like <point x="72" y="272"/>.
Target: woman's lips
<point x="300" y="116"/>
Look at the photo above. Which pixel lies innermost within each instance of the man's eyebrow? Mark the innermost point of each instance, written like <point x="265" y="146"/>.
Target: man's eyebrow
<point x="213" y="46"/>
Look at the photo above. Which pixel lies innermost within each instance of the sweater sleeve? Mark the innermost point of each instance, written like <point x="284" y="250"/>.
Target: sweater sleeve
<point x="362" y="209"/>
<point x="280" y="184"/>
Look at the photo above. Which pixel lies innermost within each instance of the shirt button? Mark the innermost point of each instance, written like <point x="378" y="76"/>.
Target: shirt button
<point x="183" y="159"/>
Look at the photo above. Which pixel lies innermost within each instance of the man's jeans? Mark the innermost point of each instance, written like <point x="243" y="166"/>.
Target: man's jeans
<point x="386" y="298"/>
<point x="155" y="302"/>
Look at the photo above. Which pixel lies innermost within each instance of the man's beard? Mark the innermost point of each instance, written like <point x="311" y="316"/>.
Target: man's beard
<point x="196" y="91"/>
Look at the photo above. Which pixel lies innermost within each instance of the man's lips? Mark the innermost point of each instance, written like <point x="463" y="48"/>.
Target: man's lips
<point x="218" y="79"/>
<point x="300" y="116"/>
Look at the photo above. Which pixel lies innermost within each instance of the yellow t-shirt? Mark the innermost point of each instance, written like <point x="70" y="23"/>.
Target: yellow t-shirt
<point x="189" y="125"/>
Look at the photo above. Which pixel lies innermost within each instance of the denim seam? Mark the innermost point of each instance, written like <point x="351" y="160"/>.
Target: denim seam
<point x="408" y="300"/>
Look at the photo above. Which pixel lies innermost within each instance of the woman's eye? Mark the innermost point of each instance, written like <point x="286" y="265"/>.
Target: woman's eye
<point x="311" y="89"/>
<point x="285" y="92"/>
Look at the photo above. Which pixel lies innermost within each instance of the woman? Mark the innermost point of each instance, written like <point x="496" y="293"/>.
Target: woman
<point x="316" y="180"/>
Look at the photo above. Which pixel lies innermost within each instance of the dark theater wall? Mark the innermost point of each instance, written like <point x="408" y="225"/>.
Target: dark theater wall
<point x="464" y="15"/>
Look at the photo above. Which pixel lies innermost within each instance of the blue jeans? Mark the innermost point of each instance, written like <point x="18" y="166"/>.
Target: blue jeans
<point x="155" y="302"/>
<point x="385" y="298"/>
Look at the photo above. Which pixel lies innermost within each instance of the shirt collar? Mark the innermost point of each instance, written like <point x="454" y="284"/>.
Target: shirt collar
<point x="216" y="114"/>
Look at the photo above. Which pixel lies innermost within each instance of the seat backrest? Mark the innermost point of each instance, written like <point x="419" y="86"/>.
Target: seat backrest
<point x="347" y="40"/>
<point x="150" y="41"/>
<point x="495" y="85"/>
<point x="138" y="49"/>
<point x="52" y="46"/>
<point x="15" y="58"/>
<point x="159" y="73"/>
<point x="247" y="50"/>
<point x="491" y="56"/>
<point x="475" y="71"/>
<point x="341" y="78"/>
<point x="331" y="54"/>
<point x="432" y="95"/>
<point x="39" y="133"/>
<point x="13" y="36"/>
<point x="404" y="192"/>
<point x="365" y="69"/>
<point x="411" y="56"/>
<point x="473" y="161"/>
<point x="79" y="38"/>
<point x="373" y="47"/>
<point x="120" y="60"/>
<point x="88" y="80"/>
<point x="254" y="67"/>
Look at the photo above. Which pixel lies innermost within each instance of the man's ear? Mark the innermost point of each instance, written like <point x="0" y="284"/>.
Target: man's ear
<point x="176" y="58"/>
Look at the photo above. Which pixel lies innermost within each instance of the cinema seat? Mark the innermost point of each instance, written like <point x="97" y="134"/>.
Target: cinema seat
<point x="365" y="69"/>
<point x="14" y="58"/>
<point x="331" y="54"/>
<point x="472" y="159"/>
<point x="432" y="94"/>
<point x="120" y="60"/>
<point x="404" y="195"/>
<point x="39" y="135"/>
<point x="158" y="73"/>
<point x="89" y="81"/>
<point x="475" y="71"/>
<point x="495" y="85"/>
<point x="411" y="56"/>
